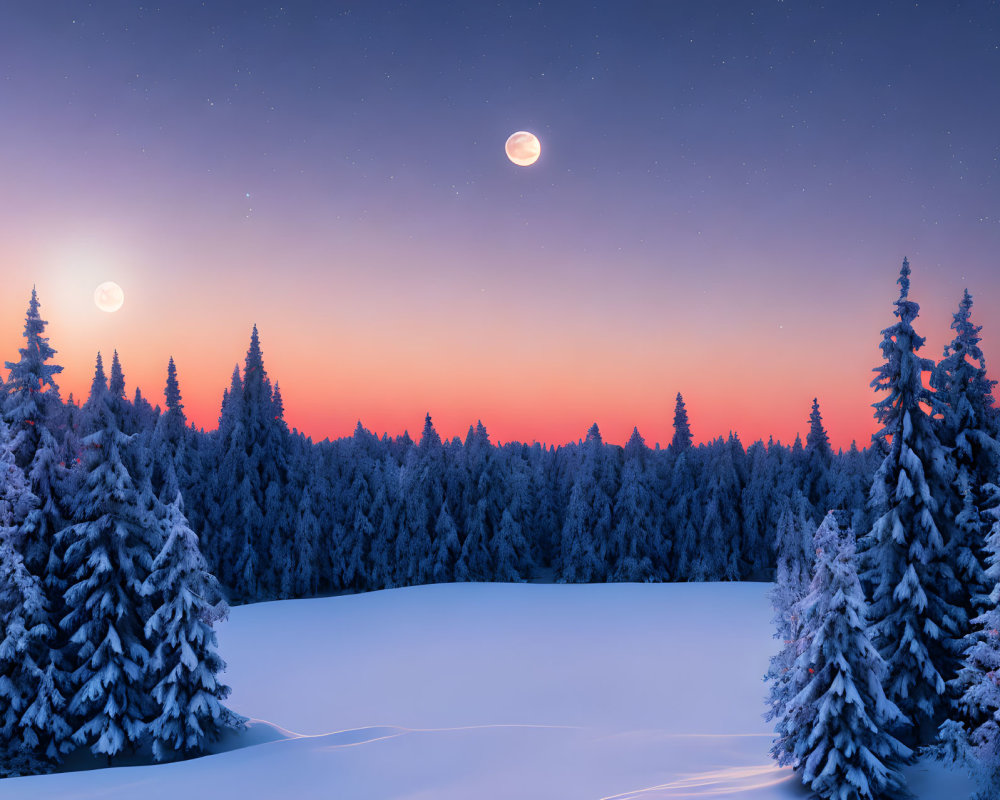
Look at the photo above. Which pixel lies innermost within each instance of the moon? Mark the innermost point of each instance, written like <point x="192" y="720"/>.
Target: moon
<point x="109" y="297"/>
<point x="523" y="148"/>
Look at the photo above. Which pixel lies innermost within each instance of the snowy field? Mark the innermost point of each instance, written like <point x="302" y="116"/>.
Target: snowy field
<point x="490" y="691"/>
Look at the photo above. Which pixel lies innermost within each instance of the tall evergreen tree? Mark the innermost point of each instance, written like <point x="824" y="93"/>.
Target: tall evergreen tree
<point x="31" y="395"/>
<point x="682" y="429"/>
<point x="818" y="460"/>
<point x="588" y="517"/>
<point x="913" y="620"/>
<point x="971" y="736"/>
<point x="32" y="727"/>
<point x="184" y="665"/>
<point x="483" y="508"/>
<point x="758" y="506"/>
<point x="718" y="556"/>
<point x="33" y="410"/>
<point x="109" y="550"/>
<point x="252" y="455"/>
<point x="845" y="749"/>
<point x="792" y="580"/>
<point x="968" y="430"/>
<point x="174" y="454"/>
<point x="631" y="548"/>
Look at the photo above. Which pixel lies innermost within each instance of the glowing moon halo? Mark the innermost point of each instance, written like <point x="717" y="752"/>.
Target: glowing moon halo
<point x="523" y="148"/>
<point x="109" y="297"/>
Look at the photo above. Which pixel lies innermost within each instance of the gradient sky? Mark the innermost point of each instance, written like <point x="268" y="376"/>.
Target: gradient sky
<point x="724" y="197"/>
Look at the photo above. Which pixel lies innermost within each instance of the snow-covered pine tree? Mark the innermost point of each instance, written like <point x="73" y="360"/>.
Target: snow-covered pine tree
<point x="18" y="504"/>
<point x="682" y="428"/>
<point x="631" y="547"/>
<point x="794" y="574"/>
<point x="839" y="724"/>
<point x="971" y="736"/>
<point x="483" y="507"/>
<point x="33" y="410"/>
<point x="119" y="403"/>
<point x="913" y="620"/>
<point x="251" y="455"/>
<point x="109" y="550"/>
<point x="144" y="413"/>
<point x="32" y="727"/>
<point x="968" y="432"/>
<point x="818" y="462"/>
<point x="172" y="448"/>
<point x="31" y="402"/>
<point x="718" y="554"/>
<point x="184" y="666"/>
<point x="423" y="495"/>
<point x="758" y="503"/>
<point x="588" y="517"/>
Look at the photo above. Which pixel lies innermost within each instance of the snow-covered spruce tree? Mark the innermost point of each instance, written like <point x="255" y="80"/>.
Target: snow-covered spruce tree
<point x="818" y="463"/>
<point x="760" y="509"/>
<point x="18" y="504"/>
<point x="631" y="547"/>
<point x="794" y="574"/>
<point x="171" y="444"/>
<point x="588" y="517"/>
<point x="838" y="725"/>
<point x="972" y="734"/>
<point x="116" y="397"/>
<point x="682" y="429"/>
<point x="968" y="431"/>
<point x="31" y="402"/>
<point x="31" y="725"/>
<point x="423" y="495"/>
<point x="718" y="554"/>
<point x="251" y="454"/>
<point x="483" y="507"/>
<point x="913" y="620"/>
<point x="109" y="550"/>
<point x="32" y="728"/>
<point x="33" y="410"/>
<point x="184" y="664"/>
<point x="353" y="549"/>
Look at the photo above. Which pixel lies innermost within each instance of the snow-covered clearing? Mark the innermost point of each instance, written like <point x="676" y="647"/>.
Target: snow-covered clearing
<point x="513" y="691"/>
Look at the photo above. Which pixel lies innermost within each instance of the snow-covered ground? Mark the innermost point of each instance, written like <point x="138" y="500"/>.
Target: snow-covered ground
<point x="452" y="692"/>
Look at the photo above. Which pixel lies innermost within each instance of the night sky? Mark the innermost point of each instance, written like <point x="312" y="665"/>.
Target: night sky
<point x="723" y="200"/>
